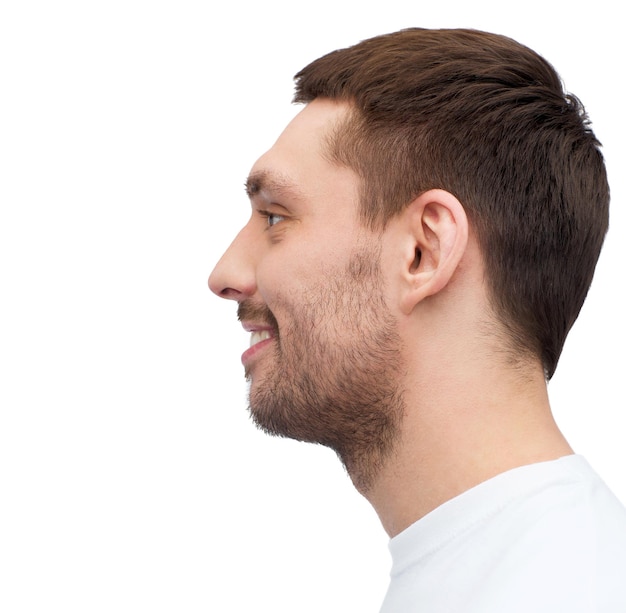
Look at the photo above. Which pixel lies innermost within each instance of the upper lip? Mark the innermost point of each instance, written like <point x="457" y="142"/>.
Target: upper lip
<point x="250" y="326"/>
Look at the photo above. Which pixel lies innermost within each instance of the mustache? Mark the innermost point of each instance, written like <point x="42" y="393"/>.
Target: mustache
<point x="259" y="313"/>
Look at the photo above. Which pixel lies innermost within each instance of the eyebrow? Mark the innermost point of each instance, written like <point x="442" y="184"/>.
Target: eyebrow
<point x="270" y="185"/>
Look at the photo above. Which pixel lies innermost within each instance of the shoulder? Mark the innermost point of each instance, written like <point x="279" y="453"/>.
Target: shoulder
<point x="547" y="537"/>
<point x="561" y="546"/>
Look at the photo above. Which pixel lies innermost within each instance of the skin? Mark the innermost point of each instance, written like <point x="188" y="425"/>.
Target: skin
<point x="335" y="297"/>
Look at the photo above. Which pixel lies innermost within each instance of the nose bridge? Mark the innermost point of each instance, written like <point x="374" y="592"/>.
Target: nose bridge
<point x="234" y="274"/>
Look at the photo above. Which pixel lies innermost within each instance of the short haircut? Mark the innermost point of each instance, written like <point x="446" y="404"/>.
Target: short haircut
<point x="488" y="120"/>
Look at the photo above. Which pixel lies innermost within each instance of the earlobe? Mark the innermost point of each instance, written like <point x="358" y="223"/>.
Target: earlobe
<point x="436" y="234"/>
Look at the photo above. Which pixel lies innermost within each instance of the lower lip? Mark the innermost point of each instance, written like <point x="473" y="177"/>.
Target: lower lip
<point x="249" y="354"/>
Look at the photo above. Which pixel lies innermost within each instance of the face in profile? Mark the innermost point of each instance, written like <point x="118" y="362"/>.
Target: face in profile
<point x="325" y="352"/>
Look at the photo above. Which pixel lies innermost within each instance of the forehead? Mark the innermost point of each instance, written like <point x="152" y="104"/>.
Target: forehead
<point x="314" y="122"/>
<point x="298" y="164"/>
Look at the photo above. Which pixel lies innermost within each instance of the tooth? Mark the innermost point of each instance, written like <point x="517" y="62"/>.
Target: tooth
<point x="258" y="335"/>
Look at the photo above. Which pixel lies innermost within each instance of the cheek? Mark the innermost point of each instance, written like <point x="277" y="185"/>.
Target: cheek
<point x="296" y="275"/>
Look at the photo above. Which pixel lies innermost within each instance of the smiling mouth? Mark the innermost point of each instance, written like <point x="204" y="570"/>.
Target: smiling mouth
<point x="258" y="336"/>
<point x="259" y="339"/>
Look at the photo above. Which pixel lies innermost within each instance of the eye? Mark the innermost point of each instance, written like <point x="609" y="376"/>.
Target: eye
<point x="272" y="218"/>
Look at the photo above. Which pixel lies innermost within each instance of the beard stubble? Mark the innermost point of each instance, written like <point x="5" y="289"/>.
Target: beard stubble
<point x="332" y="377"/>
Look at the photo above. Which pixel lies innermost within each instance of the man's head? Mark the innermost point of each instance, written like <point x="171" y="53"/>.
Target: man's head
<point x="422" y="163"/>
<point x="486" y="119"/>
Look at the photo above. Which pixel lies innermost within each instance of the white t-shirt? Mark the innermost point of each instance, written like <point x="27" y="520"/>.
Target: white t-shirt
<point x="543" y="538"/>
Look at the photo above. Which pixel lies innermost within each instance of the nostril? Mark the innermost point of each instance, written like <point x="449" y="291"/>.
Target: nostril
<point x="229" y="293"/>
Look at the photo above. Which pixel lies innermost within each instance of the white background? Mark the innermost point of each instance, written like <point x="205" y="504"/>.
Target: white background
<point x="131" y="478"/>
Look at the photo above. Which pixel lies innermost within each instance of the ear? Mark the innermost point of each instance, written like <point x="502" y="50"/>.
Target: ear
<point x="435" y="236"/>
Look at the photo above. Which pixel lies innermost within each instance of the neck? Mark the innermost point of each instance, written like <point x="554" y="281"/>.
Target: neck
<point x="456" y="435"/>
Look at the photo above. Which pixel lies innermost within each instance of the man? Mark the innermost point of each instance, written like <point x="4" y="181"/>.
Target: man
<point x="423" y="235"/>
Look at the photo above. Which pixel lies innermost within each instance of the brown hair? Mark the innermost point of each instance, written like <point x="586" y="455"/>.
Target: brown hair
<point x="485" y="118"/>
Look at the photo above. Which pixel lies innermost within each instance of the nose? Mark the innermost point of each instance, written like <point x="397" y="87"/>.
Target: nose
<point x="233" y="277"/>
